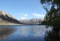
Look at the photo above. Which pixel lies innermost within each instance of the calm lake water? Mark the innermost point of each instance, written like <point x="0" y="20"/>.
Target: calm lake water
<point x="23" y="33"/>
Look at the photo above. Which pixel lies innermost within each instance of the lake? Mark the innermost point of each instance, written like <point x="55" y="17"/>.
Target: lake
<point x="23" y="33"/>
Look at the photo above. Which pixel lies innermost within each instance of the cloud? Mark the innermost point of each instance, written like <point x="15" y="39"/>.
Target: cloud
<point x="24" y="14"/>
<point x="38" y="15"/>
<point x="23" y="18"/>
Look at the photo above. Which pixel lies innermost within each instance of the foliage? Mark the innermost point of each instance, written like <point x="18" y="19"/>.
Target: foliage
<point x="48" y="4"/>
<point x="52" y="17"/>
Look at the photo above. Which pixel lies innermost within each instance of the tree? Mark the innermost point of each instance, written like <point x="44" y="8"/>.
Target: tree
<point x="52" y="17"/>
<point x="48" y="4"/>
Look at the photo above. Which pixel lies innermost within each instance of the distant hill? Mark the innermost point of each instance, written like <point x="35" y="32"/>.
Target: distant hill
<point x="6" y="18"/>
<point x="31" y="21"/>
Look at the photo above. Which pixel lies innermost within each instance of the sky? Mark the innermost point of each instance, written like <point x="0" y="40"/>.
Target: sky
<point x="23" y="9"/>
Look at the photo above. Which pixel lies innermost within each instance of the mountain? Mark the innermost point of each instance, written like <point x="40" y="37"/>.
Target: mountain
<point x="31" y="21"/>
<point x="7" y="18"/>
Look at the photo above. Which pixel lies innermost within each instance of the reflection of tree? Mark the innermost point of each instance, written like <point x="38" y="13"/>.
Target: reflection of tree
<point x="4" y="32"/>
<point x="52" y="36"/>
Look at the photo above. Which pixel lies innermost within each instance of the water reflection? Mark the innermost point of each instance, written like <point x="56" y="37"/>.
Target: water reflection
<point x="32" y="33"/>
<point x="24" y="33"/>
<point x="39" y="31"/>
<point x="5" y="32"/>
<point x="52" y="36"/>
<point x="35" y="31"/>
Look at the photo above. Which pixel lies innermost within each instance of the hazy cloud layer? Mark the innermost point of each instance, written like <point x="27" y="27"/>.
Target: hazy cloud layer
<point x="24" y="14"/>
<point x="23" y="18"/>
<point x="38" y="15"/>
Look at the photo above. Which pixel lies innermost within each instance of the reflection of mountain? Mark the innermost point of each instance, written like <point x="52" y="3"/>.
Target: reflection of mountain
<point x="31" y="21"/>
<point x="34" y="31"/>
<point x="5" y="32"/>
<point x="5" y="17"/>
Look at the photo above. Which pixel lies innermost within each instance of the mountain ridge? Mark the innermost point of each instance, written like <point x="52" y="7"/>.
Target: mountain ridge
<point x="31" y="21"/>
<point x="4" y="16"/>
